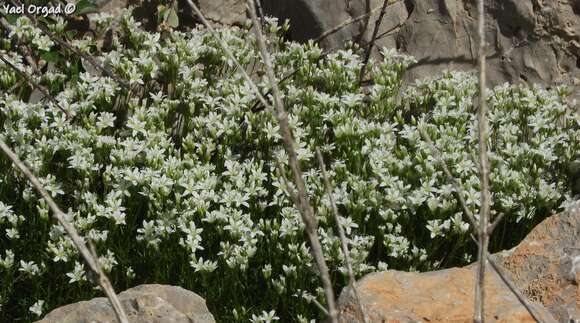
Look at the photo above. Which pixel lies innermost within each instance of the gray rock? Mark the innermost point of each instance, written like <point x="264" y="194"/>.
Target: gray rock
<point x="227" y="12"/>
<point x="310" y="18"/>
<point x="527" y="42"/>
<point x="113" y="7"/>
<point x="531" y="42"/>
<point x="143" y="304"/>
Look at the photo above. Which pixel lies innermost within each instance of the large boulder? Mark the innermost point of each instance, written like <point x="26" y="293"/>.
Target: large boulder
<point x="546" y="265"/>
<point x="528" y="41"/>
<point x="143" y="304"/>
<point x="438" y="296"/>
<point x="309" y="19"/>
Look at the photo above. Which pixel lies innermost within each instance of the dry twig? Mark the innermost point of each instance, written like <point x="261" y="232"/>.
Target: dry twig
<point x="305" y="207"/>
<point x="460" y="193"/>
<point x="372" y="42"/>
<point x="484" y="232"/>
<point x="351" y="21"/>
<point x="342" y="236"/>
<point x="304" y="204"/>
<point x="228" y="52"/>
<point x="35" y="85"/>
<point x="90" y="258"/>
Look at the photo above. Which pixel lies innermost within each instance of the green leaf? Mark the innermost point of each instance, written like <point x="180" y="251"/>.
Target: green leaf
<point x="173" y="19"/>
<point x="54" y="57"/>
<point x="84" y="7"/>
<point x="70" y="34"/>
<point x="161" y="13"/>
<point x="11" y="18"/>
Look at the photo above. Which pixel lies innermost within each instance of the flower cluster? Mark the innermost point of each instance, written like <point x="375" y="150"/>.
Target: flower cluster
<point x="178" y="178"/>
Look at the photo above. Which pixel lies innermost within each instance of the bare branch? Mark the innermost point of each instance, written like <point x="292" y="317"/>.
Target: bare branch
<point x="523" y="300"/>
<point x="260" y="11"/>
<point x="91" y="259"/>
<point x="351" y="21"/>
<point x="491" y="228"/>
<point x="63" y="43"/>
<point x="231" y="56"/>
<point x="36" y="86"/>
<point x="513" y="288"/>
<point x="495" y="222"/>
<point x="341" y="235"/>
<point x="456" y="185"/>
<point x="303" y="203"/>
<point x="305" y="208"/>
<point x="372" y="42"/>
<point x="479" y="315"/>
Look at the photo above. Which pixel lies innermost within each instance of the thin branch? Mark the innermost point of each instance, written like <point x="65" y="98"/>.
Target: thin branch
<point x="35" y="85"/>
<point x="228" y="52"/>
<point x="63" y="43"/>
<point x="342" y="236"/>
<point x="320" y="307"/>
<point x="289" y="188"/>
<point x="260" y="11"/>
<point x="484" y="234"/>
<point x="91" y="260"/>
<point x="523" y="300"/>
<point x="513" y="288"/>
<point x="456" y="185"/>
<point x="495" y="222"/>
<point x="305" y="207"/>
<point x="350" y="22"/>
<point x="21" y="46"/>
<point x="372" y="42"/>
<point x="470" y="216"/>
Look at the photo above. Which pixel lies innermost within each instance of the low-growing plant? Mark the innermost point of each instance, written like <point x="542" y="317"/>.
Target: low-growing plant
<point x="176" y="177"/>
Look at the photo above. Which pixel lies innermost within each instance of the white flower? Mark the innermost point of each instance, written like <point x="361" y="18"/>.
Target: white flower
<point x="78" y="273"/>
<point x="36" y="308"/>
<point x="29" y="268"/>
<point x="265" y="317"/>
<point x="8" y="261"/>
<point x="12" y="233"/>
<point x="108" y="262"/>
<point x="106" y="120"/>
<point x="130" y="273"/>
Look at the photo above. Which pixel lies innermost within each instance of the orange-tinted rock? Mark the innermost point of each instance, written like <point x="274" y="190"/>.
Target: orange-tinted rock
<point x="546" y="265"/>
<point x="438" y="296"/>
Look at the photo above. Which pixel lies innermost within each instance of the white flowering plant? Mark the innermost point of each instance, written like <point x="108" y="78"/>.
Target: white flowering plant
<point x="174" y="176"/>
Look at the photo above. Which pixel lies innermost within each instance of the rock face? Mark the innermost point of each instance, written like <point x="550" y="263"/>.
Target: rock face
<point x="310" y="18"/>
<point x="143" y="304"/>
<point x="438" y="296"/>
<point x="546" y="265"/>
<point x="529" y="41"/>
<point x="227" y="12"/>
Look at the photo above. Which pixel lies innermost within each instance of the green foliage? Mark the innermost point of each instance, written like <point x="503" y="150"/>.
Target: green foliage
<point x="176" y="179"/>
